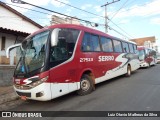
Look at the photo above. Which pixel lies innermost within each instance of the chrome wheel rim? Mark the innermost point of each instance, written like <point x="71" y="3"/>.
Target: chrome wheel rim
<point x="85" y="85"/>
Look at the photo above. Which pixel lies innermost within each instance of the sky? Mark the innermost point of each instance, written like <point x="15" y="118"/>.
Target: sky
<point x="128" y="18"/>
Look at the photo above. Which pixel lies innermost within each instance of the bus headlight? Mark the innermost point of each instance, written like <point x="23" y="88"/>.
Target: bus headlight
<point x="39" y="82"/>
<point x="32" y="85"/>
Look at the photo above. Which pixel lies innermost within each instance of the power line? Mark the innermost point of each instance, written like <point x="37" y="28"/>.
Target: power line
<point x="79" y="9"/>
<point x="86" y="21"/>
<point x="22" y="2"/>
<point x="30" y="10"/>
<point x="123" y="7"/>
<point x="27" y="9"/>
<point x="93" y="14"/>
<point x="1" y="17"/>
<point x="36" y="10"/>
<point x="122" y="29"/>
<point x="115" y="15"/>
<point x="118" y="32"/>
<point x="133" y="8"/>
<point x="43" y="12"/>
<point x="105" y="5"/>
<point x="119" y="10"/>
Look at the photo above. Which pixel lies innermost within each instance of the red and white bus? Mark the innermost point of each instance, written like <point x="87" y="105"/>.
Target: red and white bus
<point x="64" y="58"/>
<point x="147" y="56"/>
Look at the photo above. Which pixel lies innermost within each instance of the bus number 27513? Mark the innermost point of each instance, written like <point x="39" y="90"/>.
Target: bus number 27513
<point x="86" y="59"/>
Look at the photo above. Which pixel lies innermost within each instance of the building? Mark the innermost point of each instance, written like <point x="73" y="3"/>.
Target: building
<point x="64" y="20"/>
<point x="14" y="27"/>
<point x="149" y="42"/>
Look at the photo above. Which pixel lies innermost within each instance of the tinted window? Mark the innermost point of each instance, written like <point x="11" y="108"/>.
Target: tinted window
<point x="86" y="43"/>
<point x="125" y="47"/>
<point x="141" y="54"/>
<point x="95" y="43"/>
<point x="106" y="44"/>
<point x="90" y="43"/>
<point x="131" y="48"/>
<point x="65" y="46"/>
<point x="135" y="48"/>
<point x="117" y="46"/>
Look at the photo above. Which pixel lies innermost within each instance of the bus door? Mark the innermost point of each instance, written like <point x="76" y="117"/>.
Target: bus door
<point x="62" y="68"/>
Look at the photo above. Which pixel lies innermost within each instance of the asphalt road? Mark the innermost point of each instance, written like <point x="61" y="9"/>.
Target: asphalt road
<point x="140" y="92"/>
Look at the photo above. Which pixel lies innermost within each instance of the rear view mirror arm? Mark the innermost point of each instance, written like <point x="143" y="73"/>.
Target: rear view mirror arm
<point x="10" y="48"/>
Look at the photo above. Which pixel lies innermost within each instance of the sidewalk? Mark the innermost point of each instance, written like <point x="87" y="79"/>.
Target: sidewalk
<point x="7" y="94"/>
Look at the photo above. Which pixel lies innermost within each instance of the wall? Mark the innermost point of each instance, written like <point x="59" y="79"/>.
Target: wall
<point x="6" y="75"/>
<point x="10" y="40"/>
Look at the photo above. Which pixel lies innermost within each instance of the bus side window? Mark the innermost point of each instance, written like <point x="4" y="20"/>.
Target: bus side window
<point x="95" y="43"/>
<point x="131" y="48"/>
<point x="90" y="43"/>
<point x="106" y="44"/>
<point x="135" y="48"/>
<point x="86" y="43"/>
<point x="117" y="46"/>
<point x="125" y="47"/>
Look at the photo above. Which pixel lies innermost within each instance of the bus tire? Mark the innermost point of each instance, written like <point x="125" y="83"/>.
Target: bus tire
<point x="86" y="85"/>
<point x="128" y="74"/>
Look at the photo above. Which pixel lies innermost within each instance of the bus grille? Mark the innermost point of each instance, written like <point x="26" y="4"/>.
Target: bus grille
<point x="24" y="94"/>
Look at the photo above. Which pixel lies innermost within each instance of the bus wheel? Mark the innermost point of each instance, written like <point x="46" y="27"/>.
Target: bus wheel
<point x="86" y="85"/>
<point x="128" y="74"/>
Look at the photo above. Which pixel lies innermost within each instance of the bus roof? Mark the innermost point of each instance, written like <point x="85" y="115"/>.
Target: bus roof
<point x="79" y="27"/>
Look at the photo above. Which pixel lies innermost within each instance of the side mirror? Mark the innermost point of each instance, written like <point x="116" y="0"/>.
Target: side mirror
<point x="11" y="48"/>
<point x="54" y="37"/>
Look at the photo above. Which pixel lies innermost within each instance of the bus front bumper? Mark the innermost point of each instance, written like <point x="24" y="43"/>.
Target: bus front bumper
<point x="41" y="92"/>
<point x="144" y="64"/>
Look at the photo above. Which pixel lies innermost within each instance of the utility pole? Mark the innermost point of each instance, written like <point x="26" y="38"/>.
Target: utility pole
<point x="105" y="5"/>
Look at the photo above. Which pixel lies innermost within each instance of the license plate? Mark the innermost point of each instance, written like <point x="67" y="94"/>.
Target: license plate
<point x="23" y="97"/>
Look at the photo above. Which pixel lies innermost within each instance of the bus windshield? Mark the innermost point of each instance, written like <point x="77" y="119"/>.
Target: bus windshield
<point x="32" y="53"/>
<point x="141" y="54"/>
